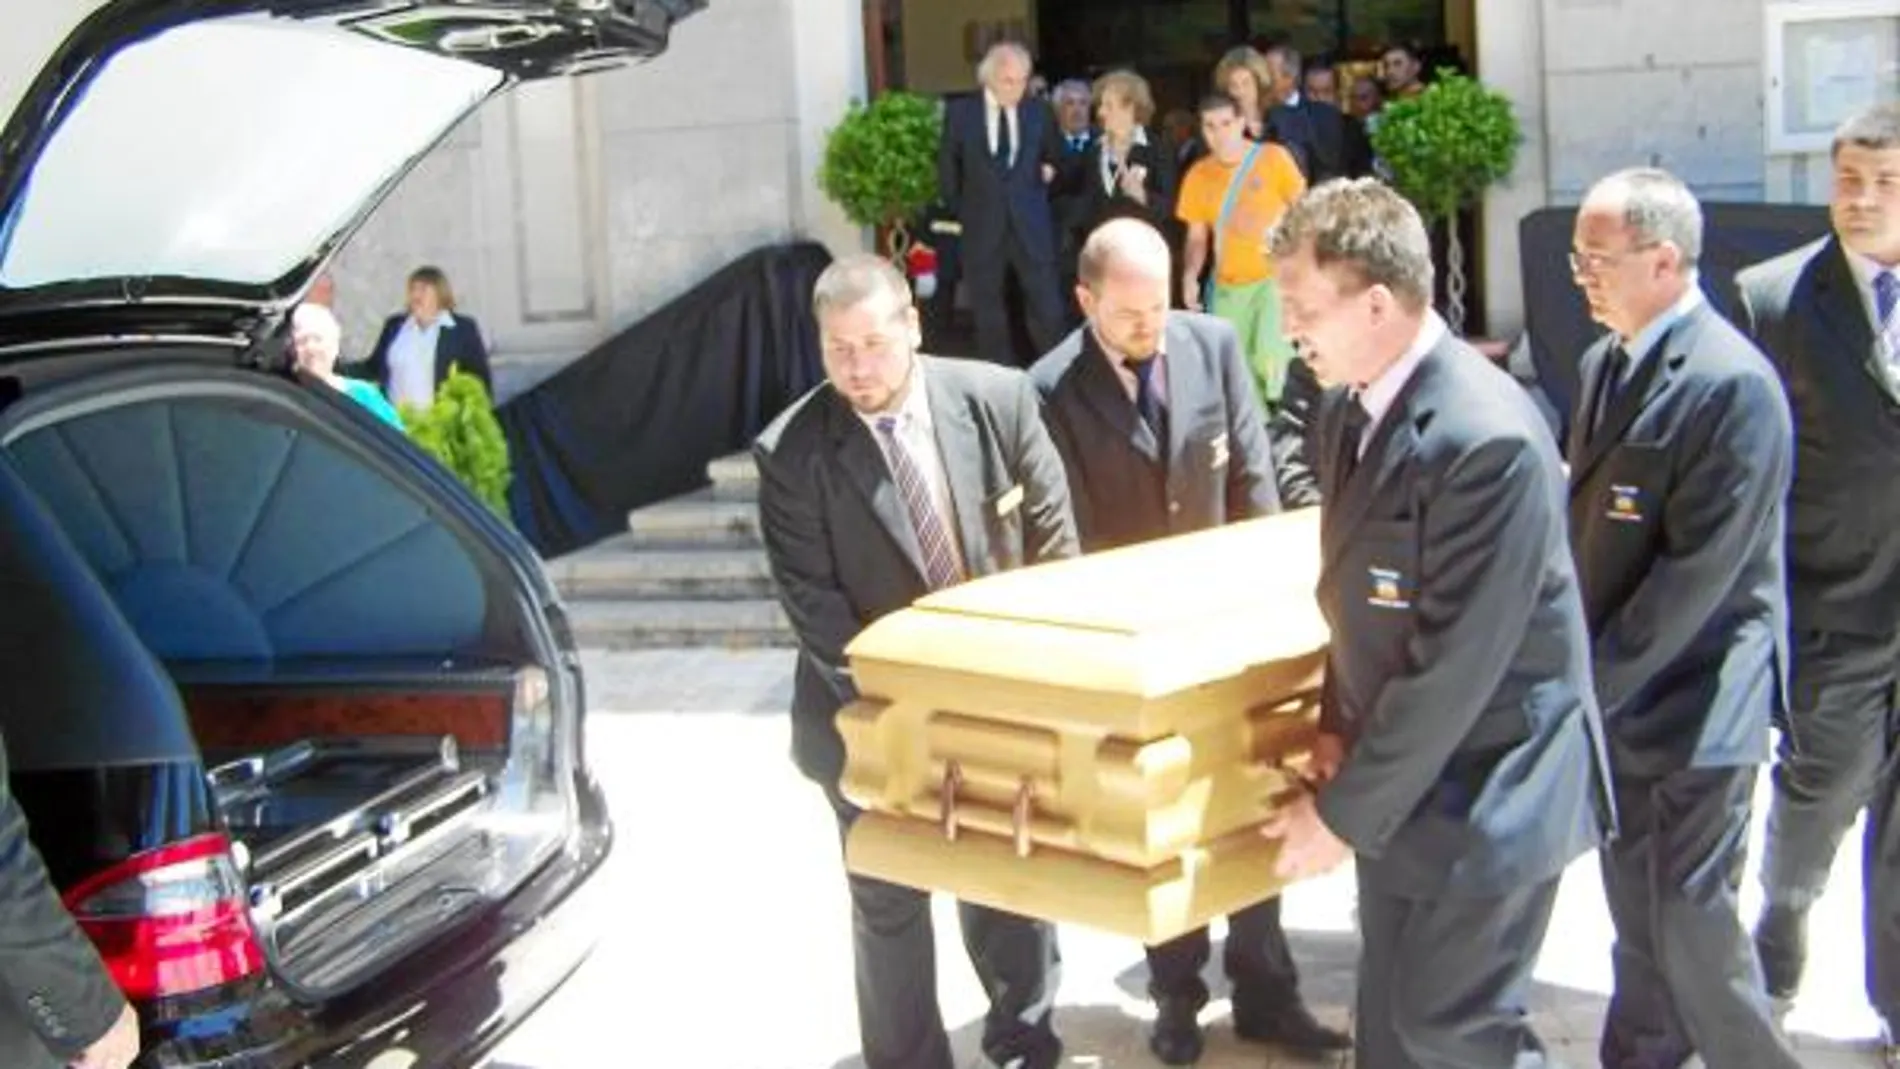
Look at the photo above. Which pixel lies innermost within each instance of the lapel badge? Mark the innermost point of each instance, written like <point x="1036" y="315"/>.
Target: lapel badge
<point x="1387" y="592"/>
<point x="1626" y="504"/>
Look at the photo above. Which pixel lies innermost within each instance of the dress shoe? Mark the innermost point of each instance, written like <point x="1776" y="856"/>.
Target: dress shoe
<point x="1292" y="1027"/>
<point x="1781" y="942"/>
<point x="1176" y="1038"/>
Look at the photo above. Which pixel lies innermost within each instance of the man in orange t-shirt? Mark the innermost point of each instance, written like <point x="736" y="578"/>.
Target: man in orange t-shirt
<point x="1229" y="200"/>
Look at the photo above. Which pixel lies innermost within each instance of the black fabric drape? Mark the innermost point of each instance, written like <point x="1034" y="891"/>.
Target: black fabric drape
<point x="637" y="419"/>
<point x="1557" y="320"/>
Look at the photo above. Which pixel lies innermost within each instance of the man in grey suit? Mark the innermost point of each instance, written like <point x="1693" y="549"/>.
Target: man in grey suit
<point x="899" y="475"/>
<point x="1160" y="430"/>
<point x="60" y="1006"/>
<point x="1680" y="456"/>
<point x="1461" y="756"/>
<point x="1828" y="316"/>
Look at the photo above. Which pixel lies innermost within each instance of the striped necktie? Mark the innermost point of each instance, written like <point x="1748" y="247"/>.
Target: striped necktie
<point x="1887" y="318"/>
<point x="933" y="537"/>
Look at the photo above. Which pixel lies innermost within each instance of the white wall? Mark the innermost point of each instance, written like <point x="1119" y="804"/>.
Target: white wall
<point x="568" y="210"/>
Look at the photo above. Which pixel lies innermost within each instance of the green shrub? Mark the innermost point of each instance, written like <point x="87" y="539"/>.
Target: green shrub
<point x="1448" y="144"/>
<point x="461" y="431"/>
<point x="880" y="164"/>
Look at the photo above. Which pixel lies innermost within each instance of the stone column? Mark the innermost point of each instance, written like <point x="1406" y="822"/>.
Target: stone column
<point x="1511" y="61"/>
<point x="828" y="73"/>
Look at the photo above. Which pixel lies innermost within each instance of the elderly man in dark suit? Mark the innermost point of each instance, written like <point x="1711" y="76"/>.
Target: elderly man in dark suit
<point x="1328" y="143"/>
<point x="998" y="155"/>
<point x="1680" y="457"/>
<point x="902" y="474"/>
<point x="1828" y="315"/>
<point x="1461" y="756"/>
<point x="1161" y="433"/>
<point x="61" y="1006"/>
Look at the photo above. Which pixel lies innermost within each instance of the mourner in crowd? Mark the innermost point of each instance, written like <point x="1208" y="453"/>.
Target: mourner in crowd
<point x="1461" y="758"/>
<point x="1828" y="315"/>
<point x="1228" y="201"/>
<point x="876" y="488"/>
<point x="1680" y="454"/>
<point x="999" y="154"/>
<point x="1160" y="432"/>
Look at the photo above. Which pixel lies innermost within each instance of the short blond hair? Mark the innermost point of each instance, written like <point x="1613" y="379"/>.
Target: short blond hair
<point x="1127" y="86"/>
<point x="1249" y="59"/>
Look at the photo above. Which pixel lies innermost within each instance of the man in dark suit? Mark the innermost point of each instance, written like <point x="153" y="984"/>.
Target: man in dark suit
<point x="61" y="1006"/>
<point x="1160" y="431"/>
<point x="1461" y="756"/>
<point x="1069" y="193"/>
<point x="1679" y="462"/>
<point x="902" y="474"/>
<point x="1828" y="315"/>
<point x="998" y="156"/>
<point x="1328" y="143"/>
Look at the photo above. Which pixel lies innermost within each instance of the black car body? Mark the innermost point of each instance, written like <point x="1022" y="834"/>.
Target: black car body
<point x="296" y="721"/>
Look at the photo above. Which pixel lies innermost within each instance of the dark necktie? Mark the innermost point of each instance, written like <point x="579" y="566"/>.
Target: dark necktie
<point x="1078" y="142"/>
<point x="1615" y="369"/>
<point x="1357" y="420"/>
<point x="933" y="537"/>
<point x="1148" y="403"/>
<point x="1887" y="317"/>
<point x="1002" y="138"/>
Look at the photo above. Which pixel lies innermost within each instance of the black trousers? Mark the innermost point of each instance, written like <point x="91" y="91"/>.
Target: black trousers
<point x="1443" y="981"/>
<point x="899" y="1023"/>
<point x="1257" y="958"/>
<point x="1687" y="979"/>
<point x="1838" y="756"/>
<point x="985" y="278"/>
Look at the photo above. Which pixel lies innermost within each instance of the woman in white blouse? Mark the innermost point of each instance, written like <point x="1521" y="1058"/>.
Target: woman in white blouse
<point x="417" y="348"/>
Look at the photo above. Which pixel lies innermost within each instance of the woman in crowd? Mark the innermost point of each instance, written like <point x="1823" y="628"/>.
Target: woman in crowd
<point x="1128" y="171"/>
<point x="1244" y="75"/>
<point x="417" y="348"/>
<point x="315" y="340"/>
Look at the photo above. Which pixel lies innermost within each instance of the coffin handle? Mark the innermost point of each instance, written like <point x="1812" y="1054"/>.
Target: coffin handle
<point x="1019" y="815"/>
<point x="947" y="799"/>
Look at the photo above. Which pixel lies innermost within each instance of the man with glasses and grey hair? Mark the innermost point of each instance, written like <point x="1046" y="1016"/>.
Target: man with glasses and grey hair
<point x="1460" y="757"/>
<point x="1681" y="450"/>
<point x="999" y="153"/>
<point x="1828" y="315"/>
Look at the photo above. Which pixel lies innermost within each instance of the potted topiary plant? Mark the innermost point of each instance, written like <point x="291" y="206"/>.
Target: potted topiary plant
<point x="461" y="431"/>
<point x="880" y="164"/>
<point x="1444" y="148"/>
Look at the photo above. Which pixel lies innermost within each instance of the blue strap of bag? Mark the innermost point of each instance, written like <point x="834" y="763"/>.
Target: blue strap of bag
<point x="1220" y="224"/>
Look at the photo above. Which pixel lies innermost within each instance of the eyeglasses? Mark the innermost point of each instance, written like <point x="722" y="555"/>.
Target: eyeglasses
<point x="1587" y="264"/>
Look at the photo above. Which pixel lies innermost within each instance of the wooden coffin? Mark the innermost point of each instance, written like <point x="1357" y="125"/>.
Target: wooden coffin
<point x="1093" y="741"/>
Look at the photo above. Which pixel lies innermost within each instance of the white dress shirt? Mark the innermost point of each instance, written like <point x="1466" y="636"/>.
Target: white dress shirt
<point x="412" y="361"/>
<point x="993" y="111"/>
<point x="918" y="433"/>
<point x="1377" y="396"/>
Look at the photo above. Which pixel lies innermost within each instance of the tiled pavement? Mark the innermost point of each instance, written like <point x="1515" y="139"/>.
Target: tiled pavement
<point x="726" y="944"/>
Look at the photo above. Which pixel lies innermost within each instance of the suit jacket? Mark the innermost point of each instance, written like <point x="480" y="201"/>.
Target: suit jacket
<point x="1327" y="142"/>
<point x="1292" y="429"/>
<point x="1459" y="672"/>
<point x="56" y="998"/>
<point x="457" y="345"/>
<point x="1805" y="310"/>
<point x="990" y="200"/>
<point x="1676" y="523"/>
<point x="1100" y="205"/>
<point x="841" y="546"/>
<point x="1217" y="467"/>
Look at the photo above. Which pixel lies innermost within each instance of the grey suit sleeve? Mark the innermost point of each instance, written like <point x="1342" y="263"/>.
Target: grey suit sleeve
<point x="799" y="552"/>
<point x="1739" y="462"/>
<point x="48" y="968"/>
<point x="1250" y="469"/>
<point x="1048" y="519"/>
<point x="1480" y="571"/>
<point x="1291" y="433"/>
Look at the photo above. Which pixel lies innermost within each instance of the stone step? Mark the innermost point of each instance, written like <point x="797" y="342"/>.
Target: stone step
<point x="698" y="520"/>
<point x="632" y="625"/>
<point x="734" y="478"/>
<point x="620" y="568"/>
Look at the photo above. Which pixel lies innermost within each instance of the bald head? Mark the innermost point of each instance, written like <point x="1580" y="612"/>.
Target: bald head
<point x="1123" y="246"/>
<point x="1123" y="286"/>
